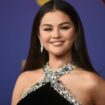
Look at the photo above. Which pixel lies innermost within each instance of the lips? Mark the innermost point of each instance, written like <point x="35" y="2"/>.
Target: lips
<point x="57" y="43"/>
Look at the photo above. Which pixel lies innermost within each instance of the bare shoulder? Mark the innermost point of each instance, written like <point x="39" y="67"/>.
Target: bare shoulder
<point x="90" y="78"/>
<point x="24" y="81"/>
<point x="94" y="85"/>
<point x="29" y="77"/>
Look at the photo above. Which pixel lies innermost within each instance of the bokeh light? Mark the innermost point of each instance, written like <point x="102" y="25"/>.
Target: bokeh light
<point x="41" y="2"/>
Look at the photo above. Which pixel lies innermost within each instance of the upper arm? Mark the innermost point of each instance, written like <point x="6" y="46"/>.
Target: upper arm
<point x="24" y="81"/>
<point x="98" y="92"/>
<point x="18" y="88"/>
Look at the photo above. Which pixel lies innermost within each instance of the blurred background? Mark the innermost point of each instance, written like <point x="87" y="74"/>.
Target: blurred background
<point x="16" y="17"/>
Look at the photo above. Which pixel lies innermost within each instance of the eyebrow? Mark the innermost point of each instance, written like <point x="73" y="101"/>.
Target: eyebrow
<point x="65" y="23"/>
<point x="59" y="24"/>
<point x="46" y="25"/>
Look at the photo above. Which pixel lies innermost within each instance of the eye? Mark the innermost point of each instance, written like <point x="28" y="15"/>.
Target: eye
<point x="65" y="27"/>
<point x="47" y="29"/>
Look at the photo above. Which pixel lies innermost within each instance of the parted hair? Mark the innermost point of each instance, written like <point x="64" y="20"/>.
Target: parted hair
<point x="80" y="57"/>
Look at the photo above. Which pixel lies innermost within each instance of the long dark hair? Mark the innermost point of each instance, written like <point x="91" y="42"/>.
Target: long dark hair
<point x="80" y="57"/>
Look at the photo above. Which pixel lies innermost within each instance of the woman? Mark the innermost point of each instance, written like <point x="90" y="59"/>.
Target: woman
<point x="58" y="70"/>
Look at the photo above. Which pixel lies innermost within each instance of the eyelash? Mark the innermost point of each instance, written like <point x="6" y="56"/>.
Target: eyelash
<point x="47" y="29"/>
<point x="65" y="27"/>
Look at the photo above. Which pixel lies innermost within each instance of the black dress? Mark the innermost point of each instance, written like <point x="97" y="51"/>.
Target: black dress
<point x="50" y="91"/>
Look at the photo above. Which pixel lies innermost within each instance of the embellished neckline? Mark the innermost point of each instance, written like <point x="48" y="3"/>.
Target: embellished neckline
<point x="55" y="83"/>
<point x="65" y="67"/>
<point x="53" y="75"/>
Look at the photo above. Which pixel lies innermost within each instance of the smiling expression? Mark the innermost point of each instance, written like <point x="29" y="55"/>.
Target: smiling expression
<point x="57" y="33"/>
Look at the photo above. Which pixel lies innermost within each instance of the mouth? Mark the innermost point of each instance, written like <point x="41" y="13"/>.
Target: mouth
<point x="57" y="43"/>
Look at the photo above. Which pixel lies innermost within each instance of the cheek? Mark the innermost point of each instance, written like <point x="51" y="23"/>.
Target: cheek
<point x="70" y="36"/>
<point x="42" y="35"/>
<point x="44" y="38"/>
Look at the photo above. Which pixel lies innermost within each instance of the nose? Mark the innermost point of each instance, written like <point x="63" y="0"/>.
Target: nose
<point x="56" y="34"/>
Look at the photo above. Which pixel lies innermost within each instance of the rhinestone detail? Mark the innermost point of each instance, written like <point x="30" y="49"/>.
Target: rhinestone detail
<point x="53" y="78"/>
<point x="33" y="88"/>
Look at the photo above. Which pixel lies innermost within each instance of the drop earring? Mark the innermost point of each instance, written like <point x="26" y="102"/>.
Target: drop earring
<point x="41" y="49"/>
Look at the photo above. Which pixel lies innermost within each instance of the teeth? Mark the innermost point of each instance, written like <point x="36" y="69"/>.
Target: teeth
<point x="57" y="43"/>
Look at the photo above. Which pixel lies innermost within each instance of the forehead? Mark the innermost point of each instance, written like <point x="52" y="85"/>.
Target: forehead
<point x="55" y="17"/>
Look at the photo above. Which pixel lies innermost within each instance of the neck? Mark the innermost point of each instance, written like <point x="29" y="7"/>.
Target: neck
<point x="57" y="61"/>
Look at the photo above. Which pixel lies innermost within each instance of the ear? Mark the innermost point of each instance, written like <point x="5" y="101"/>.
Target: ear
<point x="38" y="35"/>
<point x="40" y="39"/>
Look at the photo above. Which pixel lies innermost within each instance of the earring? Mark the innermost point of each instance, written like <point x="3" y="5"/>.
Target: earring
<point x="41" y="49"/>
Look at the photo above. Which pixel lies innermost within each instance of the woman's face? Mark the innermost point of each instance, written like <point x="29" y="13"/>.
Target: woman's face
<point x="57" y="33"/>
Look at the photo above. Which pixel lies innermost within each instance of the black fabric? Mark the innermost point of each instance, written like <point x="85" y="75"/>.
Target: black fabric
<point x="45" y="95"/>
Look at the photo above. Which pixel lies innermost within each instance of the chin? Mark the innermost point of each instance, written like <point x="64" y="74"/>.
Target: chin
<point x="59" y="53"/>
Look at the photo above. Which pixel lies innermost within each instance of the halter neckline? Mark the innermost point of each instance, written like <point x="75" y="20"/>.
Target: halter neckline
<point x="52" y="78"/>
<point x="54" y="75"/>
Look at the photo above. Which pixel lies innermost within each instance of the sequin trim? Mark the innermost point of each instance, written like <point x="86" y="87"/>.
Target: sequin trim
<point x="53" y="78"/>
<point x="65" y="92"/>
<point x="33" y="88"/>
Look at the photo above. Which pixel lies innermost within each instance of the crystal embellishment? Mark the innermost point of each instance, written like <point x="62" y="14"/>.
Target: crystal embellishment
<point x="53" y="79"/>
